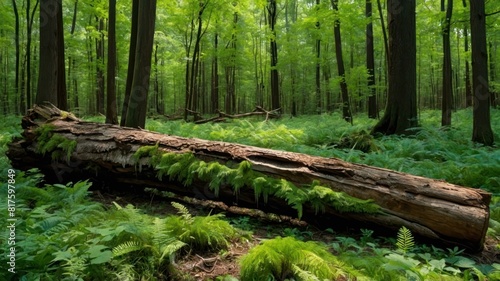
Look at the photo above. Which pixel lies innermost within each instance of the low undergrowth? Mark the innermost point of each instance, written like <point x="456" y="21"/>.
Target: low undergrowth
<point x="60" y="234"/>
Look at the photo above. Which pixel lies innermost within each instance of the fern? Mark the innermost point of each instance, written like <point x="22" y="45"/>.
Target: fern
<point x="126" y="248"/>
<point x="183" y="212"/>
<point x="184" y="167"/>
<point x="289" y="258"/>
<point x="209" y="232"/>
<point x="295" y="196"/>
<point x="405" y="241"/>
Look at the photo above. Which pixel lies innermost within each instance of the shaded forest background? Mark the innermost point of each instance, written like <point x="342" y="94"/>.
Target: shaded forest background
<point x="232" y="56"/>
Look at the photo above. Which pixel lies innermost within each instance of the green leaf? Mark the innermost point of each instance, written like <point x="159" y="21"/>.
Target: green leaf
<point x="405" y="240"/>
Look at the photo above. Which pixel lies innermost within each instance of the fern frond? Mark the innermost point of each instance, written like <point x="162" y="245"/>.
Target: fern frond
<point x="405" y="241"/>
<point x="127" y="247"/>
<point x="183" y="211"/>
<point x="170" y="249"/>
<point x="304" y="274"/>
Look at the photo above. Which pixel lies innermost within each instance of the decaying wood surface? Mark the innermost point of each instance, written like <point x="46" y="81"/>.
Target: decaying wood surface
<point x="447" y="213"/>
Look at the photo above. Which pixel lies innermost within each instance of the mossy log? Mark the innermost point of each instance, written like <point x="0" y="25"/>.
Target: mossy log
<point x="435" y="209"/>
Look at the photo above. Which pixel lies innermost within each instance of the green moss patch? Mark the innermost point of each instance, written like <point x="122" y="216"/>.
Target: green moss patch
<point x="185" y="168"/>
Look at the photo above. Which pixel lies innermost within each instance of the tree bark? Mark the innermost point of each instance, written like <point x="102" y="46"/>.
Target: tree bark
<point x="131" y="60"/>
<point x="137" y="103"/>
<point x="318" y="64"/>
<point x="99" y="55"/>
<point x="62" y="94"/>
<point x="18" y="56"/>
<point x="468" y="85"/>
<point x="275" y="92"/>
<point x="111" y="110"/>
<point x="29" y="28"/>
<point x="48" y="66"/>
<point x="401" y="110"/>
<point x="481" y="127"/>
<point x="346" y="105"/>
<point x="214" y="85"/>
<point x="444" y="212"/>
<point x="370" y="63"/>
<point x="446" y="105"/>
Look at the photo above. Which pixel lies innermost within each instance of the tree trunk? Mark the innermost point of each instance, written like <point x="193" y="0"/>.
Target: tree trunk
<point x="468" y="85"/>
<point x="214" y="86"/>
<point x="29" y="28"/>
<point x="275" y="92"/>
<point x="370" y="63"/>
<point x="99" y="45"/>
<point x="481" y="128"/>
<point x="448" y="213"/>
<point x="62" y="94"/>
<point x="318" y="64"/>
<point x="73" y="79"/>
<point x="131" y="60"/>
<point x="111" y="110"/>
<point x="401" y="110"/>
<point x="446" y="104"/>
<point x="137" y="103"/>
<point x="48" y="66"/>
<point x="346" y="106"/>
<point x="17" y="93"/>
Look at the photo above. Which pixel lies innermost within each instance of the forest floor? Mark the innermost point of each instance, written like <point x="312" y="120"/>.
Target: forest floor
<point x="227" y="263"/>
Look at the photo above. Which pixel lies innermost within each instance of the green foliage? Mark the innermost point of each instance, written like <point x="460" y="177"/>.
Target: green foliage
<point x="405" y="241"/>
<point x="200" y="233"/>
<point x="184" y="167"/>
<point x="361" y="140"/>
<point x="285" y="258"/>
<point x="56" y="144"/>
<point x="63" y="235"/>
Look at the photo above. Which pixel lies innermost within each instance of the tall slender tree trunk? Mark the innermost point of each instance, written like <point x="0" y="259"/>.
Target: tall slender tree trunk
<point x="230" y="103"/>
<point x="158" y="99"/>
<point x="447" y="102"/>
<point x="131" y="61"/>
<point x="272" y="18"/>
<point x="291" y="15"/>
<point x="346" y="106"/>
<point x="481" y="128"/>
<point x="62" y="94"/>
<point x="327" y="74"/>
<point x="111" y="110"/>
<point x="29" y="28"/>
<point x="137" y="104"/>
<point x="99" y="44"/>
<point x="401" y="110"/>
<point x="318" y="65"/>
<point x="468" y="84"/>
<point x="17" y="93"/>
<point x="370" y="63"/>
<point x="214" y="89"/>
<point x="192" y="67"/>
<point x="73" y="79"/>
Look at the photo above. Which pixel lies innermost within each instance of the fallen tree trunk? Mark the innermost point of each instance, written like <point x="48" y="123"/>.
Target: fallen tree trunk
<point x="258" y="111"/>
<point x="69" y="149"/>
